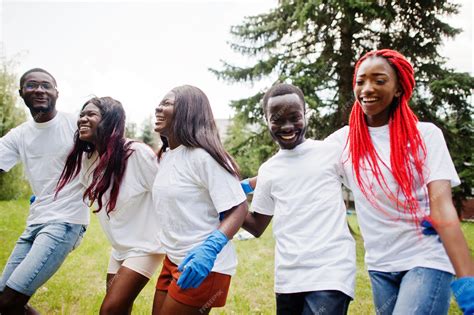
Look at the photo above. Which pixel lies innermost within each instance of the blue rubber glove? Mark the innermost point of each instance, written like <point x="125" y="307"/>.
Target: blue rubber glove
<point x="198" y="263"/>
<point x="463" y="290"/>
<point x="32" y="199"/>
<point x="246" y="186"/>
<point x="428" y="228"/>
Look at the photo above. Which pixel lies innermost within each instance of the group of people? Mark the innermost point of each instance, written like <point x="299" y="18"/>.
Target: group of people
<point x="179" y="208"/>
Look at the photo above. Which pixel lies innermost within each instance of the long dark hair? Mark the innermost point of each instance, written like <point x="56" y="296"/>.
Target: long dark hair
<point x="193" y="126"/>
<point x="113" y="154"/>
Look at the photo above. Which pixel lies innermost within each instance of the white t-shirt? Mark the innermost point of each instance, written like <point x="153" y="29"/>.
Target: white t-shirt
<point x="190" y="191"/>
<point x="301" y="189"/>
<point x="392" y="242"/>
<point x="43" y="148"/>
<point x="133" y="227"/>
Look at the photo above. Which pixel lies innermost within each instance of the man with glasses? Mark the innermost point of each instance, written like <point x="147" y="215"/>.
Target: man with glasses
<point x="55" y="224"/>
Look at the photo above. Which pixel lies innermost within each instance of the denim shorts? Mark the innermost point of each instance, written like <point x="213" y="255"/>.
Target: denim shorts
<point x="416" y="291"/>
<point x="38" y="254"/>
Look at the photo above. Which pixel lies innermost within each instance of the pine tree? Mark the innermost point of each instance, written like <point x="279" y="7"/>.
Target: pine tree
<point x="314" y="44"/>
<point x="131" y="130"/>
<point x="244" y="143"/>
<point x="148" y="134"/>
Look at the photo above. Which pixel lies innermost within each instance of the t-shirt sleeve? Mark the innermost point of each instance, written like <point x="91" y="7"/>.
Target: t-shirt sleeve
<point x="224" y="188"/>
<point x="339" y="136"/>
<point x="338" y="140"/>
<point x="439" y="165"/>
<point x="262" y="201"/>
<point x="9" y="150"/>
<point x="147" y="165"/>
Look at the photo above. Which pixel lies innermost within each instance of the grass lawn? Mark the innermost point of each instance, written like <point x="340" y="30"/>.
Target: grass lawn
<point x="79" y="286"/>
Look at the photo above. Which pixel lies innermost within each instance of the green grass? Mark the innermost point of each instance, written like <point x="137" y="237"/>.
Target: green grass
<point x="79" y="286"/>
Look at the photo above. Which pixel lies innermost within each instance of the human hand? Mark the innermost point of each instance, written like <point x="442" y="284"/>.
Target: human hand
<point x="198" y="263"/>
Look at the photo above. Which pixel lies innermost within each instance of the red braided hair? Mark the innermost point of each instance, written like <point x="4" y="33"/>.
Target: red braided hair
<point x="407" y="149"/>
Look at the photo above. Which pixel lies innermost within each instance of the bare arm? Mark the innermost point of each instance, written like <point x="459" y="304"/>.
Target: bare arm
<point x="199" y="261"/>
<point x="446" y="223"/>
<point x="233" y="219"/>
<point x="256" y="223"/>
<point x="253" y="182"/>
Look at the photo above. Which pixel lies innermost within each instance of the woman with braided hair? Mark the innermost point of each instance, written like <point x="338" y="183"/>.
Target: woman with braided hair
<point x="401" y="174"/>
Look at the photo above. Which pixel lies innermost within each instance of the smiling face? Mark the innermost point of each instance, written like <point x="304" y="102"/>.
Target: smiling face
<point x="286" y="121"/>
<point x="89" y="119"/>
<point x="39" y="94"/>
<point x="376" y="87"/>
<point x="164" y="114"/>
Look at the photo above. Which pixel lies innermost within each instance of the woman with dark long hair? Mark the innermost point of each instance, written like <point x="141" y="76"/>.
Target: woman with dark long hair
<point x="117" y="175"/>
<point x="201" y="205"/>
<point x="401" y="173"/>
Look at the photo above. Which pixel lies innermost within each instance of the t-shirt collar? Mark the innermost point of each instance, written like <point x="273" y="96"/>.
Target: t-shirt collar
<point x="47" y="123"/>
<point x="298" y="149"/>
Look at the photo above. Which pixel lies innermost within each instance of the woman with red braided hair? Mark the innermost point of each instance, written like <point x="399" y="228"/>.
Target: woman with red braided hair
<point x="401" y="173"/>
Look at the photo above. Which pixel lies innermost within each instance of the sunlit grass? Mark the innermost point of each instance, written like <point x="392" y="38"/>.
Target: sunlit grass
<point x="79" y="286"/>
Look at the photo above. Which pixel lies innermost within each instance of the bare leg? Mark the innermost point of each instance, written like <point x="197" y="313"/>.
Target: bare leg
<point x="122" y="290"/>
<point x="158" y="301"/>
<point x="108" y="284"/>
<point x="172" y="307"/>
<point x="12" y="302"/>
<point x="29" y="310"/>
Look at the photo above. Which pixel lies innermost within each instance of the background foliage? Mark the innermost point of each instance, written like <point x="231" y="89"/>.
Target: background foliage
<point x="314" y="44"/>
<point x="13" y="184"/>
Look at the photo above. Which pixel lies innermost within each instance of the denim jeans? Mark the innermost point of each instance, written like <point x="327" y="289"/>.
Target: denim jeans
<point x="38" y="254"/>
<point x="416" y="291"/>
<point x="313" y="303"/>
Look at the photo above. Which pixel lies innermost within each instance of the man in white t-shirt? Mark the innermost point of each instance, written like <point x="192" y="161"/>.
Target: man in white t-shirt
<point x="55" y="225"/>
<point x="300" y="188"/>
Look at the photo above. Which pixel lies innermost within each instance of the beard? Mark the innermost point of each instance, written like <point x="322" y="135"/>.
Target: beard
<point x="38" y="111"/>
<point x="48" y="107"/>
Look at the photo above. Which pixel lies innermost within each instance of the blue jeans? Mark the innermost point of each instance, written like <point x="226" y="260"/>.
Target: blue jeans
<point x="313" y="303"/>
<point x="38" y="254"/>
<point x="416" y="291"/>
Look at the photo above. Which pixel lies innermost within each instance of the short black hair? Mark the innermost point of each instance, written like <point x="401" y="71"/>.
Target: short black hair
<point x="22" y="79"/>
<point x="282" y="89"/>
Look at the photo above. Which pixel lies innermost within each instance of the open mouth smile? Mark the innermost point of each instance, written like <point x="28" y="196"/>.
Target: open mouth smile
<point x="369" y="100"/>
<point x="288" y="137"/>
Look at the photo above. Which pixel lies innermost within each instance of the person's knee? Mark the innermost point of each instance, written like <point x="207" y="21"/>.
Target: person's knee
<point x="3" y="303"/>
<point x="29" y="310"/>
<point x="10" y="298"/>
<point x="107" y="308"/>
<point x="110" y="306"/>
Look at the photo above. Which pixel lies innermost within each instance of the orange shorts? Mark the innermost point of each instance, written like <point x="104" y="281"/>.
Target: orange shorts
<point x="211" y="293"/>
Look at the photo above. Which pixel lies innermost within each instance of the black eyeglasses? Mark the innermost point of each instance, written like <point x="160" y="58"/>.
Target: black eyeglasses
<point x="32" y="85"/>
